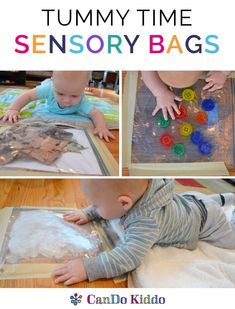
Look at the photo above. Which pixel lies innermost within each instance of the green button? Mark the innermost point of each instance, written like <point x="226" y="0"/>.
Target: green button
<point x="162" y="122"/>
<point x="178" y="150"/>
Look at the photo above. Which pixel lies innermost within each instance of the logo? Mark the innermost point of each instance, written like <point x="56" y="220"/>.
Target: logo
<point x="75" y="299"/>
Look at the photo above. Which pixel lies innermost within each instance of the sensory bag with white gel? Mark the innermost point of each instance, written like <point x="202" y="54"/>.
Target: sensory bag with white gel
<point x="42" y="233"/>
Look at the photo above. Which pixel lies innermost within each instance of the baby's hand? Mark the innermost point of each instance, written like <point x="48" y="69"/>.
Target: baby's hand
<point x="72" y="272"/>
<point x="215" y="80"/>
<point x="12" y="115"/>
<point x="78" y="217"/>
<point x="104" y="133"/>
<point x="166" y="102"/>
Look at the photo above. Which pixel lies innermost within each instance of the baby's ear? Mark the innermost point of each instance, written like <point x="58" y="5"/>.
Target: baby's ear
<point x="126" y="202"/>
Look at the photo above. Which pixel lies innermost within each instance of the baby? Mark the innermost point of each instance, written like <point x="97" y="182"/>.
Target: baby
<point x="64" y="95"/>
<point x="158" y="83"/>
<point x="151" y="214"/>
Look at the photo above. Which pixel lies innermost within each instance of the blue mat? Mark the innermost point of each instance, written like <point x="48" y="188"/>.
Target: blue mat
<point x="37" y="109"/>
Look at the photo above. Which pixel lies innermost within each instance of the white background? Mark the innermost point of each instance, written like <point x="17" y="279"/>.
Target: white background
<point x="208" y="17"/>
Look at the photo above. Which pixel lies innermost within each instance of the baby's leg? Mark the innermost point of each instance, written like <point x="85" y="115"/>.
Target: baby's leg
<point x="224" y="199"/>
<point x="217" y="230"/>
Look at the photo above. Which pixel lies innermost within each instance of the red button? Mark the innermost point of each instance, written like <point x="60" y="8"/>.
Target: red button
<point x="183" y="112"/>
<point x="200" y="117"/>
<point x="166" y="140"/>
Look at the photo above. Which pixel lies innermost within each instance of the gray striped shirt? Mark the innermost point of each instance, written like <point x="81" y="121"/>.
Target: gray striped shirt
<point x="159" y="217"/>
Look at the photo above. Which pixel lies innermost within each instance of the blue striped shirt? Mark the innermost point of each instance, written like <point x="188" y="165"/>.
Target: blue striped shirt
<point x="159" y="217"/>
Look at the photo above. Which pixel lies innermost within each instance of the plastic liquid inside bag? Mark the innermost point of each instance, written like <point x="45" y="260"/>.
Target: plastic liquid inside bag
<point x="155" y="140"/>
<point x="42" y="233"/>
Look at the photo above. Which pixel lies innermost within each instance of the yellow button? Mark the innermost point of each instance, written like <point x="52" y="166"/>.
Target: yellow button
<point x="188" y="94"/>
<point x="186" y="129"/>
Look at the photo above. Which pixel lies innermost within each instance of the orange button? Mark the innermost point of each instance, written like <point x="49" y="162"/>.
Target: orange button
<point x="200" y="117"/>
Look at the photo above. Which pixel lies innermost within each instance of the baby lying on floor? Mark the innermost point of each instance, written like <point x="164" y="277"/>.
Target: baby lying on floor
<point x="64" y="95"/>
<point x="151" y="214"/>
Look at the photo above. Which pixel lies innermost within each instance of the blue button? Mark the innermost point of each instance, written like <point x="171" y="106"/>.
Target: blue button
<point x="196" y="137"/>
<point x="205" y="148"/>
<point x="208" y="104"/>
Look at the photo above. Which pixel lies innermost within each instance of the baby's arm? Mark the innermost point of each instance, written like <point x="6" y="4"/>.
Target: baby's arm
<point x="164" y="97"/>
<point x="12" y="114"/>
<point x="78" y="217"/>
<point x="215" y="80"/>
<point x="100" y="126"/>
<point x="82" y="216"/>
<point x="72" y="272"/>
<point x="139" y="238"/>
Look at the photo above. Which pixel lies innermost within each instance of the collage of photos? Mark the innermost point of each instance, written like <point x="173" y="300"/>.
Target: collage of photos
<point x="84" y="206"/>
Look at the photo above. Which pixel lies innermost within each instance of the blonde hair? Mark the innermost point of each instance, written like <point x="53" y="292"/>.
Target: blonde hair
<point x="131" y="187"/>
<point x="71" y="74"/>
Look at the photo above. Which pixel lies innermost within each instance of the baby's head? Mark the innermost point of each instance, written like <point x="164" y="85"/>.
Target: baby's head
<point x="113" y="197"/>
<point x="69" y="86"/>
<point x="179" y="79"/>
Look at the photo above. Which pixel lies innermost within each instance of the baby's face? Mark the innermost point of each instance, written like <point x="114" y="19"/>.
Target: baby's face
<point x="104" y="200"/>
<point x="68" y="90"/>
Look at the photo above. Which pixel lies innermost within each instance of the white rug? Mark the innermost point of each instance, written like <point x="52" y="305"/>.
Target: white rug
<point x="205" y="267"/>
